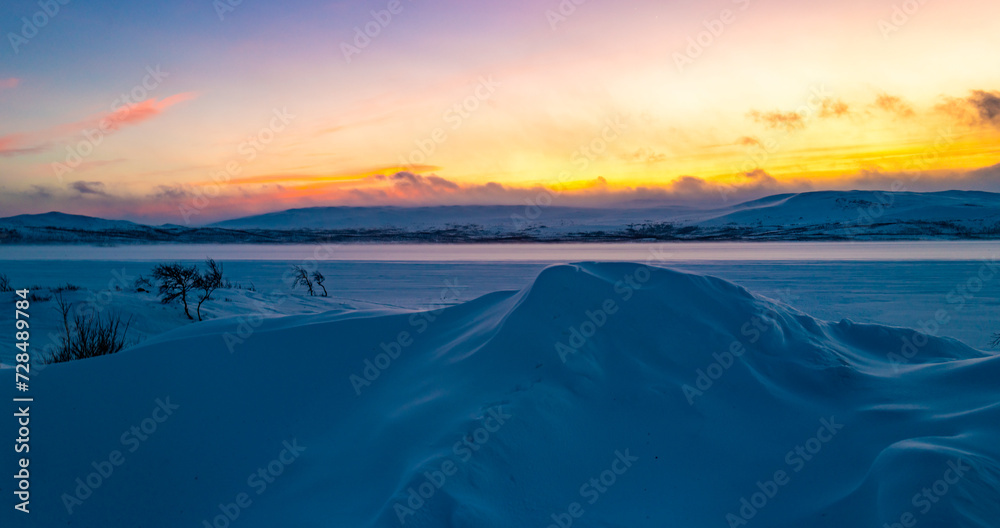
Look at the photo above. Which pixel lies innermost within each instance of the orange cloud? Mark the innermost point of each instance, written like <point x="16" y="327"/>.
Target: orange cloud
<point x="834" y="108"/>
<point x="309" y="179"/>
<point x="786" y="120"/>
<point x="894" y="105"/>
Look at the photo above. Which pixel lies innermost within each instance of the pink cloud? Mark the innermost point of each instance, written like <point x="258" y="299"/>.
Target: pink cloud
<point x="26" y="143"/>
<point x="9" y="83"/>
<point x="18" y="144"/>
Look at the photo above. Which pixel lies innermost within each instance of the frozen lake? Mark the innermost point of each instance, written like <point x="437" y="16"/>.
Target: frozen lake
<point x="569" y="252"/>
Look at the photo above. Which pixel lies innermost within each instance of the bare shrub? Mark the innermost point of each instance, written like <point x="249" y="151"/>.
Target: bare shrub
<point x="89" y="335"/>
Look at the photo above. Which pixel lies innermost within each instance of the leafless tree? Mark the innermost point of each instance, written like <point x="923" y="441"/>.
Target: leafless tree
<point x="208" y="282"/>
<point x="301" y="277"/>
<point x="176" y="281"/>
<point x="5" y="283"/>
<point x="318" y="278"/>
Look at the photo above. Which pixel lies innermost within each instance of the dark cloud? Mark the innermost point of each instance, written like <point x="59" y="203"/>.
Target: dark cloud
<point x="987" y="105"/>
<point x="979" y="108"/>
<point x="40" y="193"/>
<point x="89" y="187"/>
<point x="171" y="192"/>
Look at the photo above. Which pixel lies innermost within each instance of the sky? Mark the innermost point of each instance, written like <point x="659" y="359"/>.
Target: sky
<point x="191" y="111"/>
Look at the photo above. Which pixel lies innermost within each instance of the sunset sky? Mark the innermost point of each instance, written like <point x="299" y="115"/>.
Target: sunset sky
<point x="191" y="111"/>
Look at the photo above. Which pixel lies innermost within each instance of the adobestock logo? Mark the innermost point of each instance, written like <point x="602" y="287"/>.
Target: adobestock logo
<point x="714" y="28"/>
<point x="462" y="451"/>
<point x="364" y="35"/>
<point x="129" y="105"/>
<point x="31" y="26"/>
<point x="455" y="116"/>
<point x="901" y="15"/>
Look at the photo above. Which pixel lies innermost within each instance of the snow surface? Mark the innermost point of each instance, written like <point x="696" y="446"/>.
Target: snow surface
<point x="856" y="434"/>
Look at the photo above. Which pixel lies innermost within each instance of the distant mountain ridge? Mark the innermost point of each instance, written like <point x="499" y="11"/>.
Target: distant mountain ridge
<point x="65" y="220"/>
<point x="820" y="215"/>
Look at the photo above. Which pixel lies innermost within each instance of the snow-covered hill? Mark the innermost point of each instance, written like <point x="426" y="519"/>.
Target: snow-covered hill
<point x="602" y="395"/>
<point x="861" y="208"/>
<point x="59" y="220"/>
<point x="812" y="214"/>
<point x="826" y="215"/>
<point x="504" y="218"/>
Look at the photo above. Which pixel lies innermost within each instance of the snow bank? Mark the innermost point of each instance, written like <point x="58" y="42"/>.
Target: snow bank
<point x="602" y="395"/>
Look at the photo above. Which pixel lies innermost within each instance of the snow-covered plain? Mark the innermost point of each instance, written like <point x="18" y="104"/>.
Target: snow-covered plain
<point x="600" y="395"/>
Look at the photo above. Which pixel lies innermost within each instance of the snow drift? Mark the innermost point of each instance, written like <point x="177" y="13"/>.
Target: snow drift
<point x="610" y="395"/>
